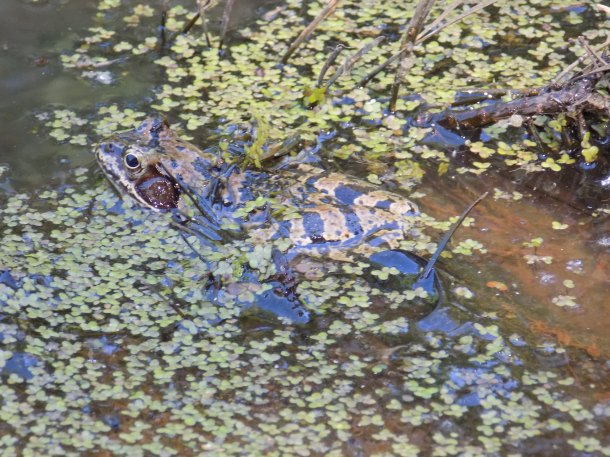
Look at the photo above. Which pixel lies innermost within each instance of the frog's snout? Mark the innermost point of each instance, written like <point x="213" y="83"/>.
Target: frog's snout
<point x="109" y="149"/>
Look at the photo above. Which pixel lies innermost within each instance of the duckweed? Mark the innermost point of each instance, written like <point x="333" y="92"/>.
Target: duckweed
<point x="96" y="358"/>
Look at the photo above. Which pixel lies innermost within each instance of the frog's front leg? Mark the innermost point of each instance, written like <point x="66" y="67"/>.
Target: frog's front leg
<point x="277" y="293"/>
<point x="285" y="287"/>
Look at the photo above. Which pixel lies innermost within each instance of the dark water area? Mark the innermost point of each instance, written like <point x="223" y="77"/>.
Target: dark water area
<point x="508" y="354"/>
<point x="32" y="79"/>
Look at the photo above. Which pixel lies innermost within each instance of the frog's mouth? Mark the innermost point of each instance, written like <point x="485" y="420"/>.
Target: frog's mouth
<point x="157" y="190"/>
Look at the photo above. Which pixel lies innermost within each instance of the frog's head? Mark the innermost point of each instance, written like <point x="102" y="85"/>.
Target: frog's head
<point x="146" y="163"/>
<point x="130" y="161"/>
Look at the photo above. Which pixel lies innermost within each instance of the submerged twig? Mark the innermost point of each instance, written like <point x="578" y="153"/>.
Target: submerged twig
<point x="472" y="96"/>
<point x="202" y="7"/>
<point x="326" y="11"/>
<point x="189" y="25"/>
<point x="577" y="95"/>
<point x="441" y="247"/>
<point x="163" y="24"/>
<point x="226" y="17"/>
<point x="155" y="290"/>
<point x="182" y="230"/>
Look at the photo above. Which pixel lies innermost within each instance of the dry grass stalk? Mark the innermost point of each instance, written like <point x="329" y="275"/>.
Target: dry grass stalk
<point x="163" y="22"/>
<point x="226" y="16"/>
<point x="567" y="70"/>
<point x="203" y="6"/>
<point x="416" y="24"/>
<point x="329" y="61"/>
<point x="349" y="63"/>
<point x="326" y="11"/>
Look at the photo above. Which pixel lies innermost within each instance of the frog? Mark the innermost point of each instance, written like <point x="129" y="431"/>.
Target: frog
<point x="318" y="211"/>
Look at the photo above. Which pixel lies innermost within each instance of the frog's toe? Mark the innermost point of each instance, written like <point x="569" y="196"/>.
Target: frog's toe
<point x="282" y="307"/>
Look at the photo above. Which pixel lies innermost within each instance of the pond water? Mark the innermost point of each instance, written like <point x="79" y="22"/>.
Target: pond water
<point x="95" y="359"/>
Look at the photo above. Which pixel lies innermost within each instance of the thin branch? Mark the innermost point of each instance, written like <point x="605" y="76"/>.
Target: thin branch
<point x="405" y="65"/>
<point x="382" y="66"/>
<point x="434" y="28"/>
<point x="441" y="17"/>
<point x="163" y="23"/>
<point x="350" y="61"/>
<point x="189" y="25"/>
<point x="596" y="59"/>
<point x="577" y="62"/>
<point x="602" y="69"/>
<point x="422" y="10"/>
<point x="204" y="6"/>
<point x="326" y="11"/>
<point x="427" y="33"/>
<point x="329" y="61"/>
<point x="407" y="42"/>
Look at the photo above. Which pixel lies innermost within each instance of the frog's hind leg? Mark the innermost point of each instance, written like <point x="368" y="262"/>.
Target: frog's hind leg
<point x="202" y="203"/>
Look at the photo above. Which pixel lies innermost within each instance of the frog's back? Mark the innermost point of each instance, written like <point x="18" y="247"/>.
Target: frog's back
<point x="331" y="210"/>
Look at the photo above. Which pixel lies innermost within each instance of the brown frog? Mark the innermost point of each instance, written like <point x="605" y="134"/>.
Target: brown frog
<point x="157" y="168"/>
<point x="318" y="211"/>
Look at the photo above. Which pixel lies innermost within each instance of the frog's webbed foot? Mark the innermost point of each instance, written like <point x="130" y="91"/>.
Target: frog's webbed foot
<point x="280" y="299"/>
<point x="283" y="300"/>
<point x="281" y="305"/>
<point x="285" y="275"/>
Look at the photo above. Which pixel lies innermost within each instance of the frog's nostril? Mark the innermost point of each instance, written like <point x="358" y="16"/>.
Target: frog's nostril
<point x="109" y="148"/>
<point x="112" y="148"/>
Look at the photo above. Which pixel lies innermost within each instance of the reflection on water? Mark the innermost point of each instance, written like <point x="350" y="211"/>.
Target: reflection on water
<point x="571" y="261"/>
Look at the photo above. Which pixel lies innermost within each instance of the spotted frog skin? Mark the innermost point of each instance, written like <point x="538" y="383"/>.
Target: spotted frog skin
<point x="315" y="209"/>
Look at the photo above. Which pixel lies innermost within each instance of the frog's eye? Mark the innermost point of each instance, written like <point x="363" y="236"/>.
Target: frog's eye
<point x="131" y="161"/>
